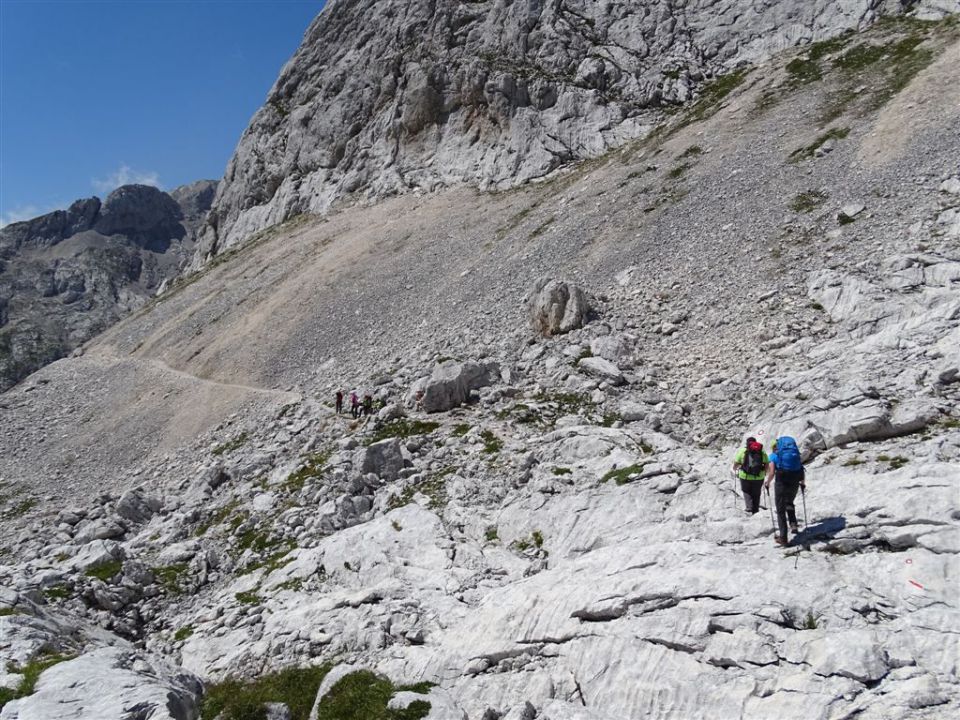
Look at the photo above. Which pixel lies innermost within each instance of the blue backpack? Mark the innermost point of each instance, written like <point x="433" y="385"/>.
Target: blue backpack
<point x="788" y="455"/>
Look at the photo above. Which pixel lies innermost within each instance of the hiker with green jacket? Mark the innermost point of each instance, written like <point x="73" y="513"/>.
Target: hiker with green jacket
<point x="750" y="465"/>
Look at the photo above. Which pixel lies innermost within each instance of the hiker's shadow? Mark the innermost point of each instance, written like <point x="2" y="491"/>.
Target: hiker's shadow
<point x="823" y="531"/>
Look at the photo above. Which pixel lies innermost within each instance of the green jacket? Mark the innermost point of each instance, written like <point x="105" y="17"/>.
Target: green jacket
<point x="738" y="459"/>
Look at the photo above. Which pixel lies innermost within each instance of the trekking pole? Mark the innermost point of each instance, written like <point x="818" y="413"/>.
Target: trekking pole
<point x="803" y="494"/>
<point x="773" y="524"/>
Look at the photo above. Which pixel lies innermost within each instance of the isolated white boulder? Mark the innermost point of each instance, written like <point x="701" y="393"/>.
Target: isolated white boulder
<point x="556" y="307"/>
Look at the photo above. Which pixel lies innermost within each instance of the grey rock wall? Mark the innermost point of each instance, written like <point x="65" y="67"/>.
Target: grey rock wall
<point x="389" y="96"/>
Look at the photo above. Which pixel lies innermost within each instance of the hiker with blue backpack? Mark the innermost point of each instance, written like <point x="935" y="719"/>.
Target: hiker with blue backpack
<point x="786" y="465"/>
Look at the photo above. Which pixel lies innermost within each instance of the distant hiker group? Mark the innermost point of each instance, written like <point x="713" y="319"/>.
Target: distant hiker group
<point x="358" y="409"/>
<point x="756" y="470"/>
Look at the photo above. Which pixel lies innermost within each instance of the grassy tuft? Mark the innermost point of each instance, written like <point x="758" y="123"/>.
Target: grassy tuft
<point x="105" y="572"/>
<point x="229" y="447"/>
<point x="402" y="429"/>
<point x="58" y="592"/>
<point x="183" y="633"/>
<point x="312" y="469"/>
<point x="491" y="443"/>
<point x="561" y="471"/>
<point x="171" y="577"/>
<point x="248" y="598"/>
<point x="621" y="476"/>
<point x="31" y="673"/>
<point x="362" y="695"/>
<point x="808" y="201"/>
<point x="238" y="700"/>
<point x="808" y="151"/>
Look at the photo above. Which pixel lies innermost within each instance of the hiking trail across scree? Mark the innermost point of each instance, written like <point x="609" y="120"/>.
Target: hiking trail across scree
<point x="286" y="395"/>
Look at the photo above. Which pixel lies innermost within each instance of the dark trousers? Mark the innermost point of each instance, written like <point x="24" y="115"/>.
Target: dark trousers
<point x="786" y="487"/>
<point x="339" y="406"/>
<point x="751" y="494"/>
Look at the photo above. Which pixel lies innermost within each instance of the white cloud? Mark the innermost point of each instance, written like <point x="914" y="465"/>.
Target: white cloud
<point x="25" y="212"/>
<point x="125" y="175"/>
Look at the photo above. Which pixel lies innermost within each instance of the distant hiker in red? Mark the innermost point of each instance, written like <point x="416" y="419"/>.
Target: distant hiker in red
<point x="354" y="405"/>
<point x="339" y="401"/>
<point x="750" y="465"/>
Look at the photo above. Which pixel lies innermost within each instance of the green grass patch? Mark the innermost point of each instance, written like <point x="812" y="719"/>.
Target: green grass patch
<point x="171" y="577"/>
<point x="460" y="429"/>
<point x="402" y="428"/>
<point x="802" y="71"/>
<point x="533" y="542"/>
<point x="491" y="443"/>
<point x="678" y="171"/>
<point x="31" y="673"/>
<point x="105" y="572"/>
<point x="248" y="598"/>
<point x="58" y="592"/>
<point x="561" y="471"/>
<point x="808" y="151"/>
<point x="238" y="700"/>
<point x="8" y="612"/>
<point x="183" y="633"/>
<point x="273" y="561"/>
<point x="714" y="93"/>
<point x="363" y="695"/>
<point x="621" y="476"/>
<point x="228" y="447"/>
<point x="491" y="534"/>
<point x="433" y="486"/>
<point x="312" y="469"/>
<point x="897" y="462"/>
<point x="19" y="509"/>
<point x="217" y="517"/>
<point x="808" y="201"/>
<point x="692" y="151"/>
<point x="859" y="57"/>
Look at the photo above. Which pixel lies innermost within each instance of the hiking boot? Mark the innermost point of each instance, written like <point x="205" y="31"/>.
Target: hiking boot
<point x="794" y="529"/>
<point x="779" y="541"/>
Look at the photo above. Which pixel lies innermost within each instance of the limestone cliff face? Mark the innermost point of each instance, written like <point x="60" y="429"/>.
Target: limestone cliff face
<point x="385" y="96"/>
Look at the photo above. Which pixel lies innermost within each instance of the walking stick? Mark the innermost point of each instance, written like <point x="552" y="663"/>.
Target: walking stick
<point x="803" y="493"/>
<point x="770" y="508"/>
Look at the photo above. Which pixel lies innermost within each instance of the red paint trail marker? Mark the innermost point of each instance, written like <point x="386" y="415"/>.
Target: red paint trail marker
<point x="914" y="582"/>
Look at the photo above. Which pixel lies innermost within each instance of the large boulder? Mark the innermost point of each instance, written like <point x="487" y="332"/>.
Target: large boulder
<point x="136" y="506"/>
<point x="556" y="307"/>
<point x="451" y="383"/>
<point x="384" y="459"/>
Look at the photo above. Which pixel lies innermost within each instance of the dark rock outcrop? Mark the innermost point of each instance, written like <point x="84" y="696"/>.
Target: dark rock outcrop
<point x="70" y="274"/>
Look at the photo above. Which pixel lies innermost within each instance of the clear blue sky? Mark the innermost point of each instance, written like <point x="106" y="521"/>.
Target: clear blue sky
<point x="93" y="92"/>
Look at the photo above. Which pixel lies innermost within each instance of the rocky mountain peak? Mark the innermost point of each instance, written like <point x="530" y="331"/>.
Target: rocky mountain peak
<point x="67" y="275"/>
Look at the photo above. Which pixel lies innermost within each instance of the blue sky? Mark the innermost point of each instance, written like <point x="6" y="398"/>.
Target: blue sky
<point x="96" y="93"/>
